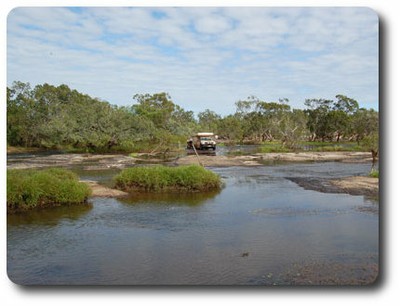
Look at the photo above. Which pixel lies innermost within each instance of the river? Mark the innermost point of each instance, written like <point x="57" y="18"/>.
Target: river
<point x="260" y="229"/>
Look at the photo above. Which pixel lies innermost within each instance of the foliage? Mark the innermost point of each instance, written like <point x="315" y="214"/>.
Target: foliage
<point x="209" y="120"/>
<point x="374" y="173"/>
<point x="167" y="118"/>
<point x="364" y="123"/>
<point x="58" y="117"/>
<point x="27" y="189"/>
<point x="336" y="120"/>
<point x="161" y="178"/>
<point x="371" y="143"/>
<point x="48" y="117"/>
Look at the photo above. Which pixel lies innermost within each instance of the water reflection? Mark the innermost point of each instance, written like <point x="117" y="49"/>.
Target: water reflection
<point x="201" y="238"/>
<point x="49" y="216"/>
<point x="181" y="199"/>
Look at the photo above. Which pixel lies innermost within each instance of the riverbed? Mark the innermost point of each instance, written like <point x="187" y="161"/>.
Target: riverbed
<point x="262" y="229"/>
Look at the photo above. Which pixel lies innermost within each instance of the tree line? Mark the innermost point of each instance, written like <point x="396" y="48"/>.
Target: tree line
<point x="57" y="117"/>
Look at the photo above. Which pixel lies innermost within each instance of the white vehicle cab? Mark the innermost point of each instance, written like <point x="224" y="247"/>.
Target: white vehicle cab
<point x="202" y="141"/>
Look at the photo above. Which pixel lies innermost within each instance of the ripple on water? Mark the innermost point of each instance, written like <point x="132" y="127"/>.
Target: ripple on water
<point x="259" y="225"/>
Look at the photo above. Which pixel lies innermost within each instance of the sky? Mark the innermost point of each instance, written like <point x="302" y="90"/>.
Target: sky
<point x="204" y="57"/>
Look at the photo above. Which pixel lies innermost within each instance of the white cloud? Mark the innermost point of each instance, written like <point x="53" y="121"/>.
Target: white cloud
<point x="212" y="24"/>
<point x="204" y="57"/>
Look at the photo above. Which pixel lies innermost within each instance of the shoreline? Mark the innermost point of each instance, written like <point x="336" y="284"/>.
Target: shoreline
<point x="351" y="185"/>
<point x="258" y="159"/>
<point x="119" y="161"/>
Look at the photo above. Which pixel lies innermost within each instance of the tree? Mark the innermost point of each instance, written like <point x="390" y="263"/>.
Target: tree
<point x="272" y="116"/>
<point x="345" y="104"/>
<point x="209" y="120"/>
<point x="157" y="107"/>
<point x="317" y="112"/>
<point x="245" y="107"/>
<point x="182" y="122"/>
<point x="24" y="115"/>
<point x="231" y="128"/>
<point x="245" y="119"/>
<point x="371" y="143"/>
<point x="172" y="123"/>
<point x="328" y="119"/>
<point x="363" y="123"/>
<point x="292" y="128"/>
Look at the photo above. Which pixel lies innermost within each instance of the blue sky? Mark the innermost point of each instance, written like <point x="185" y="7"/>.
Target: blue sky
<point x="203" y="57"/>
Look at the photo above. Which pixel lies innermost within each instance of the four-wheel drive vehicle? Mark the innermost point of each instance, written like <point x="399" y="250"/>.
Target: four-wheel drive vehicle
<point x="202" y="141"/>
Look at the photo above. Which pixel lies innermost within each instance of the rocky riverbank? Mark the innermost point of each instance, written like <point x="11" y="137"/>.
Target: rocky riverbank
<point x="119" y="161"/>
<point x="260" y="158"/>
<point x="87" y="161"/>
<point x="354" y="185"/>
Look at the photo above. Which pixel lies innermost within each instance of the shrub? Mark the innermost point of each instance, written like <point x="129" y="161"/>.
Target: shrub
<point x="28" y="189"/>
<point x="162" y="178"/>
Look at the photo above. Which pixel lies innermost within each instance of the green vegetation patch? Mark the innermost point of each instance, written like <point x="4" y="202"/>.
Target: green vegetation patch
<point x="27" y="189"/>
<point x="274" y="147"/>
<point x="374" y="173"/>
<point x="163" y="178"/>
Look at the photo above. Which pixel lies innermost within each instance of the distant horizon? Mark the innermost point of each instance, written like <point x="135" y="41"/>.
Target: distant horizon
<point x="204" y="58"/>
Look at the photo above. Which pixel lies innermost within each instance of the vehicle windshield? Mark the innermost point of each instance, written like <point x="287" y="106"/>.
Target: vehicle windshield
<point x="205" y="138"/>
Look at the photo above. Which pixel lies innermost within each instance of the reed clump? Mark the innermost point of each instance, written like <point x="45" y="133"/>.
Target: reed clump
<point x="28" y="189"/>
<point x="162" y="178"/>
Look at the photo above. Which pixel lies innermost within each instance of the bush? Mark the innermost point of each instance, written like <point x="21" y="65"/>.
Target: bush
<point x="27" y="189"/>
<point x="162" y="178"/>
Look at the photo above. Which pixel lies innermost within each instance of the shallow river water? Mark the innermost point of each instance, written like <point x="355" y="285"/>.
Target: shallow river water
<point x="260" y="229"/>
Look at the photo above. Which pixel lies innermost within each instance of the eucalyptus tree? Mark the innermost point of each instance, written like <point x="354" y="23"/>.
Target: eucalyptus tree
<point x="273" y="116"/>
<point x="171" y="122"/>
<point x="328" y="119"/>
<point x="231" y="129"/>
<point x="209" y="121"/>
<point x="317" y="111"/>
<point x="364" y="122"/>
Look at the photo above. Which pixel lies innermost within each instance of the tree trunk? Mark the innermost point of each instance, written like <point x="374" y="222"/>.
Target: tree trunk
<point x="374" y="156"/>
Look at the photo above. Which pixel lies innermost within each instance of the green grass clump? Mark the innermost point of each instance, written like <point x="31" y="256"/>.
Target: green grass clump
<point x="163" y="178"/>
<point x="374" y="173"/>
<point x="27" y="189"/>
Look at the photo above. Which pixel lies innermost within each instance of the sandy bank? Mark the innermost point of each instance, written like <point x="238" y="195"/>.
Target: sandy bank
<point x="103" y="191"/>
<point x="318" y="156"/>
<point x="358" y="185"/>
<point x="354" y="185"/>
<point x="218" y="161"/>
